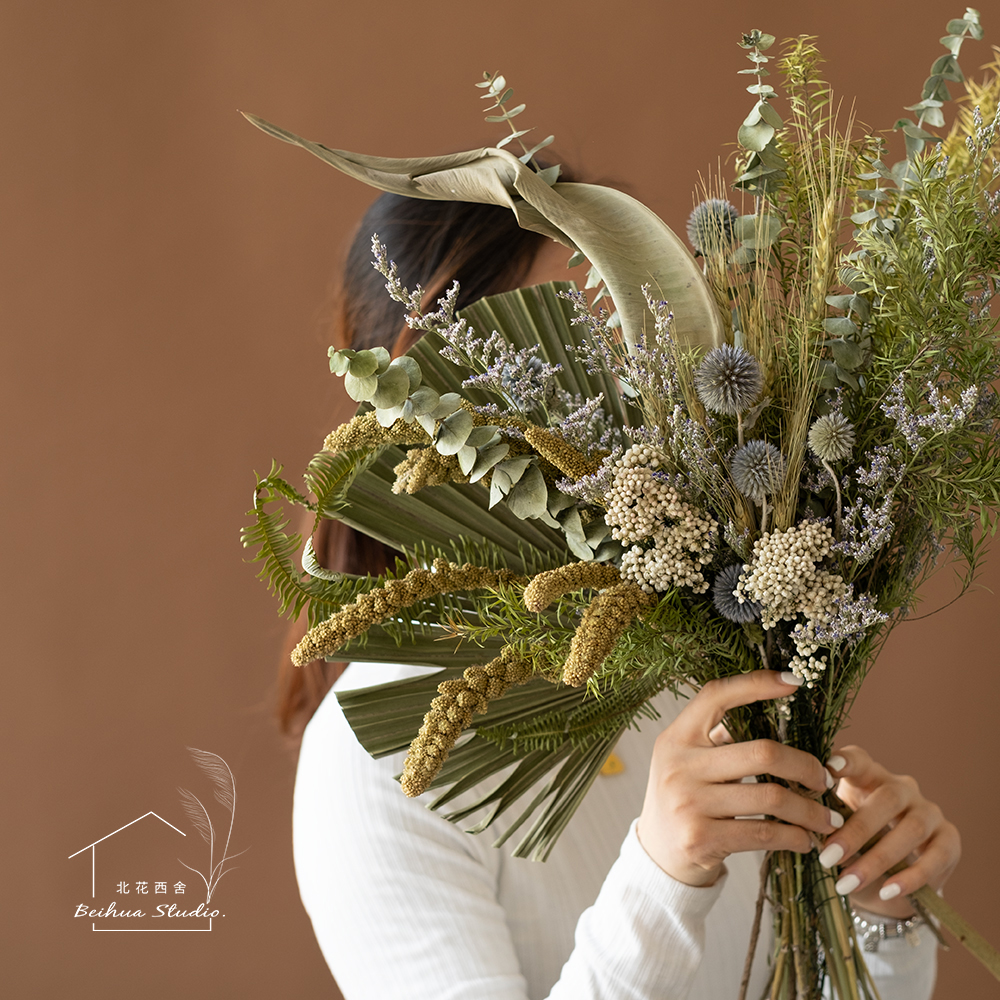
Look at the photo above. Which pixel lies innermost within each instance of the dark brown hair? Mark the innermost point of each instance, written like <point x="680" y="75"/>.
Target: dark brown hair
<point x="432" y="243"/>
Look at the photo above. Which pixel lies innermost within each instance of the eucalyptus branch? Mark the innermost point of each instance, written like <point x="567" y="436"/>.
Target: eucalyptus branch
<point x="498" y="91"/>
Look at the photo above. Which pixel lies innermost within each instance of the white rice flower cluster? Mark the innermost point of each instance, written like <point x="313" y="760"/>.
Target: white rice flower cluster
<point x="678" y="554"/>
<point x="804" y="636"/>
<point x="637" y="503"/>
<point x="810" y="669"/>
<point x="641" y="507"/>
<point x="784" y="578"/>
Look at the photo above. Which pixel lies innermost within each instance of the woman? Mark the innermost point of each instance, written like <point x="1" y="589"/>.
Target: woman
<point x="405" y="904"/>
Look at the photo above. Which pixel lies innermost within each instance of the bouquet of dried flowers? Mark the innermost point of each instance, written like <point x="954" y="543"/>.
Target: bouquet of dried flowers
<point x="754" y="459"/>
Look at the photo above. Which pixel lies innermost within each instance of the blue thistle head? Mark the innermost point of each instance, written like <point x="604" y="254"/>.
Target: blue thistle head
<point x="724" y="597"/>
<point x="728" y="380"/>
<point x="831" y="437"/>
<point x="710" y="226"/>
<point x="758" y="469"/>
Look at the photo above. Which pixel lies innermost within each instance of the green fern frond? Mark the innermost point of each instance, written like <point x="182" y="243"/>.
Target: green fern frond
<point x="276" y="549"/>
<point x="329" y="477"/>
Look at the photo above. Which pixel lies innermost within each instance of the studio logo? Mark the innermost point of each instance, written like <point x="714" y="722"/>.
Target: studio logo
<point x="139" y="878"/>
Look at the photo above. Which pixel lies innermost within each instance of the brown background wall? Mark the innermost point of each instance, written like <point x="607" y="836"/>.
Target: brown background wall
<point x="165" y="274"/>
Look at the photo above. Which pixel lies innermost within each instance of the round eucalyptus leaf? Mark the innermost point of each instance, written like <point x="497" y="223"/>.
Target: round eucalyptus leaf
<point x="860" y="218"/>
<point x="448" y="403"/>
<point x="758" y="232"/>
<point x="768" y="114"/>
<point x="839" y="301"/>
<point x="453" y="432"/>
<point x="500" y="485"/>
<point x="828" y="375"/>
<point x="466" y="459"/>
<point x="840" y="326"/>
<point x="934" y="117"/>
<point x="559" y="501"/>
<point x="483" y="436"/>
<point x="387" y="417"/>
<point x="360" y="389"/>
<point x="744" y="227"/>
<point x="847" y="378"/>
<point x="393" y="388"/>
<point x="363" y="364"/>
<point x="514" y="468"/>
<point x="412" y="369"/>
<point x="528" y="497"/>
<point x="861" y="306"/>
<point x="383" y="357"/>
<point x="488" y="457"/>
<point x="340" y="361"/>
<point x="847" y="354"/>
<point x="424" y="400"/>
<point x="572" y="528"/>
<point x="755" y="137"/>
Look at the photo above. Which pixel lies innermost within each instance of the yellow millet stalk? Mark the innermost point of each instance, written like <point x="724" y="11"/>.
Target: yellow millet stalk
<point x="553" y="583"/>
<point x="384" y="602"/>
<point x="556" y="450"/>
<point x="365" y="431"/>
<point x="451" y="714"/>
<point x="426" y="467"/>
<point x="603" y="624"/>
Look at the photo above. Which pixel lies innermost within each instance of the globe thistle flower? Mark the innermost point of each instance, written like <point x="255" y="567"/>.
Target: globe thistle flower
<point x="728" y="380"/>
<point x="831" y="437"/>
<point x="758" y="470"/>
<point x="710" y="226"/>
<point x="725" y="600"/>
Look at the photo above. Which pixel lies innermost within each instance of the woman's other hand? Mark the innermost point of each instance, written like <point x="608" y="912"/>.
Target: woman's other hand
<point x="917" y="830"/>
<point x="688" y="824"/>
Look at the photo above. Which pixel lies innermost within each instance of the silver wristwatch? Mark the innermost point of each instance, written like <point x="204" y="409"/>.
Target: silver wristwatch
<point x="873" y="929"/>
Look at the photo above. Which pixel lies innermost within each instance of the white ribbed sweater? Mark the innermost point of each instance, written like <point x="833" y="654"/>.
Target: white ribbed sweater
<point x="407" y="906"/>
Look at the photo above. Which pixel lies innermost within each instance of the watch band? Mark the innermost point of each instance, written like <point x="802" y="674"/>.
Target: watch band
<point x="873" y="929"/>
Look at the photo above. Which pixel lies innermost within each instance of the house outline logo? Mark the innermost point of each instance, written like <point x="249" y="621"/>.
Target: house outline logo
<point x="93" y="878"/>
<point x="219" y="773"/>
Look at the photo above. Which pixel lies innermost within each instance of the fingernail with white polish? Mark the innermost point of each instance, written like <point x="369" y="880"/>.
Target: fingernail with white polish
<point x="788" y="677"/>
<point x="836" y="820"/>
<point x="831" y="855"/>
<point x="847" y="884"/>
<point x="889" y="891"/>
<point x="837" y="763"/>
<point x="830" y="779"/>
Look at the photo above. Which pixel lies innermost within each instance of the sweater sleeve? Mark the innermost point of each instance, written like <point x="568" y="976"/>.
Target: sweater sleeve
<point x="404" y="904"/>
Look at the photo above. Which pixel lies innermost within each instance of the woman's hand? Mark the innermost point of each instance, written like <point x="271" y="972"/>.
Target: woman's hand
<point x="688" y="824"/>
<point x="917" y="830"/>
